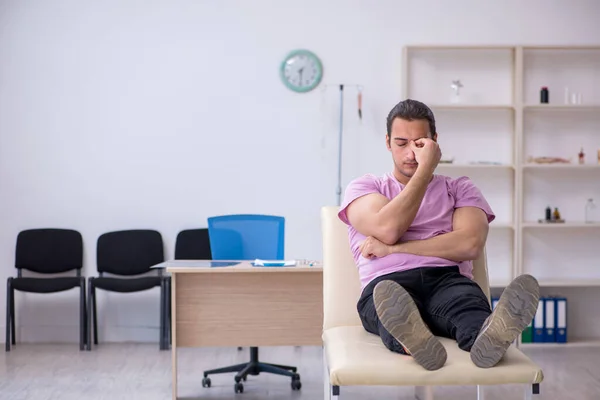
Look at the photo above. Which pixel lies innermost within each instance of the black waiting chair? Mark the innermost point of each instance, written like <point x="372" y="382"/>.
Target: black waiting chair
<point x="193" y="244"/>
<point x="50" y="252"/>
<point x="190" y="244"/>
<point x="126" y="255"/>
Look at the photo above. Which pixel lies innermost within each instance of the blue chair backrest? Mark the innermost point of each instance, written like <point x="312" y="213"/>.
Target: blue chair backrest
<point x="246" y="237"/>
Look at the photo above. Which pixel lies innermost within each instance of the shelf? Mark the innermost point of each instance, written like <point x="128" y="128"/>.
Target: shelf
<point x="572" y="343"/>
<point x="459" y="47"/>
<point x="498" y="283"/>
<point x="563" y="107"/>
<point x="590" y="282"/>
<point x="562" y="48"/>
<point x="442" y="107"/>
<point x="494" y="225"/>
<point x="561" y="225"/>
<point x="561" y="166"/>
<point x="476" y="166"/>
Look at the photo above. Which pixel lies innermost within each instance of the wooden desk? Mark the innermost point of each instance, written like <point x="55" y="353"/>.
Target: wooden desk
<point x="243" y="305"/>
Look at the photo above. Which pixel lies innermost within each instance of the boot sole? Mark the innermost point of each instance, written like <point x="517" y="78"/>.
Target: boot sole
<point x="513" y="313"/>
<point x="401" y="318"/>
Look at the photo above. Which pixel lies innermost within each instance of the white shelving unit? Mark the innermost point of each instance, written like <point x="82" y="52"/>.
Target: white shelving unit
<point x="493" y="132"/>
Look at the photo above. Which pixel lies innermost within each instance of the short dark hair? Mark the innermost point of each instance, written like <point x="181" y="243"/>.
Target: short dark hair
<point x="410" y="110"/>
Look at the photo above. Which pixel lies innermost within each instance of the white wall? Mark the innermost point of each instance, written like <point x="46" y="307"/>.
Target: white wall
<point x="157" y="114"/>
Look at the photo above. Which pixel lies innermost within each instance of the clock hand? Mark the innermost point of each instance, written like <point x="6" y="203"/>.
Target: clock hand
<point x="300" y="72"/>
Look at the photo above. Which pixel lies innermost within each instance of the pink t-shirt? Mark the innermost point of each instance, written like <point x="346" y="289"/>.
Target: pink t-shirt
<point x="442" y="197"/>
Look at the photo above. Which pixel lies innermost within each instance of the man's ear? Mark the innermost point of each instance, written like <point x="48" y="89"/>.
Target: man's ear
<point x="434" y="137"/>
<point x="387" y="142"/>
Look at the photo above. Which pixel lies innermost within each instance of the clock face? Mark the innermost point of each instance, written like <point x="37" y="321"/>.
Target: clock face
<point x="301" y="71"/>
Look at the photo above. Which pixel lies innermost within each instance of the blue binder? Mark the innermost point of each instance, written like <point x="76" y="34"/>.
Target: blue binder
<point x="561" y="320"/>
<point x="549" y="320"/>
<point x="538" y="322"/>
<point x="494" y="302"/>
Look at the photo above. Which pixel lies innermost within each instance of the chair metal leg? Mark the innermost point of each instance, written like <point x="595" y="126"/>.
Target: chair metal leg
<point x="169" y="313"/>
<point x="425" y="392"/>
<point x="82" y="316"/>
<point x="165" y="328"/>
<point x="161" y="329"/>
<point x="329" y="392"/>
<point x="288" y="367"/>
<point x="244" y="372"/>
<point x="528" y="392"/>
<point x="232" y="368"/>
<point x="13" y="326"/>
<point x="335" y="392"/>
<point x="480" y="393"/>
<point x="95" y="321"/>
<point x="8" y="313"/>
<point x="90" y="314"/>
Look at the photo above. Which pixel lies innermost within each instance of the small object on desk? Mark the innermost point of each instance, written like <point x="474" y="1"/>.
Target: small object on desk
<point x="544" y="95"/>
<point x="581" y="157"/>
<point x="274" y="263"/>
<point x="548" y="214"/>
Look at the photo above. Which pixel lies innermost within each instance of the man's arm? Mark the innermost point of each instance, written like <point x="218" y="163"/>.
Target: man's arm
<point x="464" y="243"/>
<point x="387" y="220"/>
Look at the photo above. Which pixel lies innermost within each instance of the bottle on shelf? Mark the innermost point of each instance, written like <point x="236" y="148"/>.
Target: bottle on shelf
<point x="591" y="212"/>
<point x="556" y="214"/>
<point x="548" y="214"/>
<point x="581" y="157"/>
<point x="544" y="95"/>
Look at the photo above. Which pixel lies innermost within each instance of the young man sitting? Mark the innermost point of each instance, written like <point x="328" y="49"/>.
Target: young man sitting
<point x="414" y="235"/>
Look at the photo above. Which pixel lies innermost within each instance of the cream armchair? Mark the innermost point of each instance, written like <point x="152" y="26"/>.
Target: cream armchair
<point x="354" y="357"/>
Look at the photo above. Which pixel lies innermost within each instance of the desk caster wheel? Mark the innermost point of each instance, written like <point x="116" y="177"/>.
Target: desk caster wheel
<point x="206" y="382"/>
<point x="238" y="387"/>
<point x="296" y="384"/>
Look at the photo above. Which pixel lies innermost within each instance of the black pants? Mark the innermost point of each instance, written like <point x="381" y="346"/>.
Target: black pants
<point x="451" y="304"/>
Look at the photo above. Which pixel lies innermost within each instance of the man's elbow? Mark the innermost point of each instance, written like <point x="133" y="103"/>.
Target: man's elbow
<point x="389" y="236"/>
<point x="474" y="247"/>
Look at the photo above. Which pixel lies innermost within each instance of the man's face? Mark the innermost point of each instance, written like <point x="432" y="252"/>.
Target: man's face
<point x="403" y="132"/>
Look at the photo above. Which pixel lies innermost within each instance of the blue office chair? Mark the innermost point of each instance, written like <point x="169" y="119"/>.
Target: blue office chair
<point x="248" y="237"/>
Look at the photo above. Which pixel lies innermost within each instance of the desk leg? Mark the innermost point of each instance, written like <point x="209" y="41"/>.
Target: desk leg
<point x="424" y="392"/>
<point x="174" y="333"/>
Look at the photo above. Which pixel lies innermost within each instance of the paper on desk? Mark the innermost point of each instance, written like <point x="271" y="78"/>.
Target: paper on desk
<point x="274" y="263"/>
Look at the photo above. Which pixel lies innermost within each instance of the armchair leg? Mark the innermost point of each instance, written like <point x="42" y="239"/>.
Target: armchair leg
<point x="95" y="321"/>
<point x="330" y="392"/>
<point x="480" y="393"/>
<point x="426" y="392"/>
<point x="8" y="313"/>
<point x="529" y="392"/>
<point x="82" y="317"/>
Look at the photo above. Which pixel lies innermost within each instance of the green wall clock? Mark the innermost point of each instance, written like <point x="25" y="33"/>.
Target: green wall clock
<point x="301" y="71"/>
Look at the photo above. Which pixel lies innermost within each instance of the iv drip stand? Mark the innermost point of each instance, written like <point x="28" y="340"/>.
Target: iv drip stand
<point x="339" y="174"/>
<point x="338" y="189"/>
